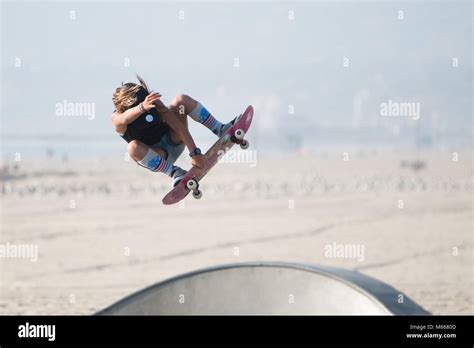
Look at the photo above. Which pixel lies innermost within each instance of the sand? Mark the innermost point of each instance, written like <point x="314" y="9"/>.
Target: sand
<point x="101" y="230"/>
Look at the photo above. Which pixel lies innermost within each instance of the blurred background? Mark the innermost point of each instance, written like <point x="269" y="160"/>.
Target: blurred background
<point x="362" y="136"/>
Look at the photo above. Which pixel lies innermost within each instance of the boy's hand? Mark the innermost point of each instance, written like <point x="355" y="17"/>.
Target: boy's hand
<point x="149" y="102"/>
<point x="199" y="161"/>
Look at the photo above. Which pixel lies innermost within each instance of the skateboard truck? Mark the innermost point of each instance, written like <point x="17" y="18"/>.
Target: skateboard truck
<point x="193" y="185"/>
<point x="238" y="138"/>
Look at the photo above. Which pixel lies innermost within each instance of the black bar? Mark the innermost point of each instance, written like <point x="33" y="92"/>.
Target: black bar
<point x="288" y="330"/>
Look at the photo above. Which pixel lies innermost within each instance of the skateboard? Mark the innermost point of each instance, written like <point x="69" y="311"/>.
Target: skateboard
<point x="234" y="135"/>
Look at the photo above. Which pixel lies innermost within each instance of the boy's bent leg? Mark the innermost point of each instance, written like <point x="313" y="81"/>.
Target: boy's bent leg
<point x="184" y="104"/>
<point x="153" y="159"/>
<point x="137" y="150"/>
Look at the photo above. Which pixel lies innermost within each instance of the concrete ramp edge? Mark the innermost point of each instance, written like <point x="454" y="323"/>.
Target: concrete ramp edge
<point x="272" y="288"/>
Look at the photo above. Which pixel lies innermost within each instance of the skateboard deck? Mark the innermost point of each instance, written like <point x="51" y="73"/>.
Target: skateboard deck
<point x="234" y="135"/>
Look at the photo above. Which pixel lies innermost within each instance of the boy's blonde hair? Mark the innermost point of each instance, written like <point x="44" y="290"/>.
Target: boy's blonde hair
<point x="129" y="95"/>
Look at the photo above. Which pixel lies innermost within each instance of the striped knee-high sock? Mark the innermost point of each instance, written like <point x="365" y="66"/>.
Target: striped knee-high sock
<point x="155" y="163"/>
<point x="201" y="115"/>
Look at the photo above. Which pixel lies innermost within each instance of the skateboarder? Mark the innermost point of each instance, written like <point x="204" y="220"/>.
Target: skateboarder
<point x="156" y="134"/>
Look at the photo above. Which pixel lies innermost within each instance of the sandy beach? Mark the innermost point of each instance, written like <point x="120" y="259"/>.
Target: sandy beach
<point x="101" y="231"/>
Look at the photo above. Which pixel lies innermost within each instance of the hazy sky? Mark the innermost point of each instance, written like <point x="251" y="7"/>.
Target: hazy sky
<point x="290" y="57"/>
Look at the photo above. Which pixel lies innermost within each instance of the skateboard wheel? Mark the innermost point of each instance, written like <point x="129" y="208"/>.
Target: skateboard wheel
<point x="197" y="194"/>
<point x="244" y="145"/>
<point x="192" y="184"/>
<point x="239" y="134"/>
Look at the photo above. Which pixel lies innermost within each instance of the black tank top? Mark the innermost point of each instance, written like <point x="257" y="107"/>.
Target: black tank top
<point x="148" y="128"/>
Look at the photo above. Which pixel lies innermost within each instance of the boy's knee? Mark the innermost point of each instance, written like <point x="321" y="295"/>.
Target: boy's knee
<point x="134" y="149"/>
<point x="180" y="99"/>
